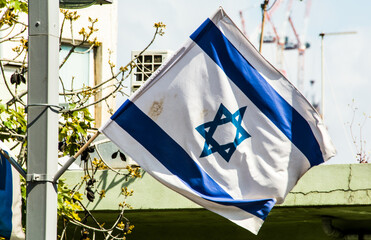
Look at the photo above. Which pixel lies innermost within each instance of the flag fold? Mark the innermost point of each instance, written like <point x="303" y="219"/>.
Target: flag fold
<point x="221" y="126"/>
<point x="10" y="199"/>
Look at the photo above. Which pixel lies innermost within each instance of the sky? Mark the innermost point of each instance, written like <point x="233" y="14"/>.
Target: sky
<point x="347" y="84"/>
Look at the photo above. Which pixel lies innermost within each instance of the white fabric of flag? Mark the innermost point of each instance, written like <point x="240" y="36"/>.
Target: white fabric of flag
<point x="221" y="126"/>
<point x="10" y="199"/>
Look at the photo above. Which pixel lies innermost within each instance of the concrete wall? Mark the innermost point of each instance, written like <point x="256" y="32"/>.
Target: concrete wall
<point x="341" y="192"/>
<point x="341" y="184"/>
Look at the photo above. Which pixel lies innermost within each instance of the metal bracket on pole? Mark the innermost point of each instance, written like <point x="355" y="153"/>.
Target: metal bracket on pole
<point x="39" y="178"/>
<point x="55" y="108"/>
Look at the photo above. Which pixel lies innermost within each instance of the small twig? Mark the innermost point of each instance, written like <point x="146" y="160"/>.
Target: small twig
<point x="16" y="98"/>
<point x="8" y="32"/>
<point x="68" y="55"/>
<point x="61" y="31"/>
<point x="89" y="213"/>
<point x="84" y="40"/>
<point x="98" y="101"/>
<point x="130" y="63"/>
<point x="13" y="37"/>
<point x="63" y="89"/>
<point x="6" y="60"/>
<point x="86" y="51"/>
<point x="101" y="229"/>
<point x="101" y="99"/>
<point x="25" y="25"/>
<point x="71" y="27"/>
<point x="12" y="135"/>
<point x="64" y="230"/>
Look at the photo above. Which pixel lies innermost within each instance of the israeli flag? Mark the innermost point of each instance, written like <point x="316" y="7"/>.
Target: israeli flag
<point x="221" y="126"/>
<point x="10" y="200"/>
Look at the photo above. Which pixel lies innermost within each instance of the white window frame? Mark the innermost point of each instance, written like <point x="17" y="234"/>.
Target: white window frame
<point x="137" y="82"/>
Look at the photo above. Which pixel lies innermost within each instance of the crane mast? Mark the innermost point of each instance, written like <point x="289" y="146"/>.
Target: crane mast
<point x="301" y="46"/>
<point x="243" y="24"/>
<point x="281" y="39"/>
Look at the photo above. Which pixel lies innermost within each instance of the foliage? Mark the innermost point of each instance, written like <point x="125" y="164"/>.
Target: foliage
<point x="75" y="123"/>
<point x="68" y="201"/>
<point x="73" y="129"/>
<point x="10" y="10"/>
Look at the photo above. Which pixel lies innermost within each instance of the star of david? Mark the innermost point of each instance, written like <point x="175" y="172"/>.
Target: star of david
<point x="208" y="129"/>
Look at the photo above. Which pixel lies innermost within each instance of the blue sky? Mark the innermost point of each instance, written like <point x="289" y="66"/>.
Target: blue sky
<point x="347" y="57"/>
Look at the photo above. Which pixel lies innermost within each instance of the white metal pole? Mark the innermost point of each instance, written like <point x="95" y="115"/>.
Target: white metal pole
<point x="42" y="133"/>
<point x="322" y="79"/>
<point x="322" y="35"/>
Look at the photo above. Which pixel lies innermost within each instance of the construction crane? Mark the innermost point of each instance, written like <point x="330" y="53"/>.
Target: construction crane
<point x="243" y="28"/>
<point x="301" y="46"/>
<point x="270" y="38"/>
<point x="300" y="79"/>
<point x="278" y="37"/>
<point x="282" y="39"/>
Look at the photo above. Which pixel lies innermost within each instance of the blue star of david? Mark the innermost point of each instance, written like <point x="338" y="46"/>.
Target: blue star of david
<point x="208" y="129"/>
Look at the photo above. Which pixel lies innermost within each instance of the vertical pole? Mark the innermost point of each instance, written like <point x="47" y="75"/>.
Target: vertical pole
<point x="264" y="8"/>
<point x="42" y="121"/>
<point x="322" y="35"/>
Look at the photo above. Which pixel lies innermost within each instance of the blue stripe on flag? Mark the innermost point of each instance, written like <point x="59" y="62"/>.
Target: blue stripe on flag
<point x="6" y="197"/>
<point x="136" y="123"/>
<point x="212" y="41"/>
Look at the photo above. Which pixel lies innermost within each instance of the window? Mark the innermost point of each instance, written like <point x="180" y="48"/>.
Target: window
<point x="77" y="71"/>
<point x="83" y="68"/>
<point x="146" y="64"/>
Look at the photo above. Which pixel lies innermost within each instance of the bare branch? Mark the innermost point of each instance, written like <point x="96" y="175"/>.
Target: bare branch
<point x="13" y="37"/>
<point x="16" y="98"/>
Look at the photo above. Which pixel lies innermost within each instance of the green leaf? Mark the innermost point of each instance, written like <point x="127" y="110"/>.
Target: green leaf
<point x="88" y="118"/>
<point x="8" y="124"/>
<point x="2" y="3"/>
<point x="15" y="4"/>
<point x="24" y="7"/>
<point x="2" y="107"/>
<point x="80" y="130"/>
<point x="83" y="125"/>
<point x="62" y="133"/>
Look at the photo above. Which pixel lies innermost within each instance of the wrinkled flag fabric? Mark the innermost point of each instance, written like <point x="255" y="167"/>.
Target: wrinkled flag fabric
<point x="221" y="126"/>
<point x="10" y="200"/>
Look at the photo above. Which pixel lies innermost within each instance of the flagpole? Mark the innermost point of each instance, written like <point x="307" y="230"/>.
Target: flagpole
<point x="72" y="159"/>
<point x="322" y="35"/>
<point x="264" y="8"/>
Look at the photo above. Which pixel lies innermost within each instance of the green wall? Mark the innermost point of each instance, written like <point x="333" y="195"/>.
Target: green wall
<point x="341" y="192"/>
